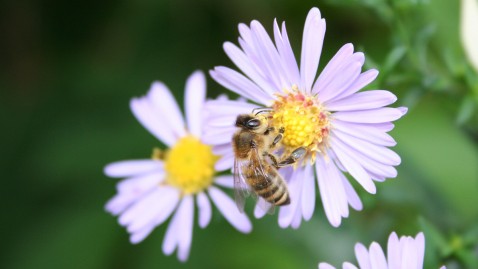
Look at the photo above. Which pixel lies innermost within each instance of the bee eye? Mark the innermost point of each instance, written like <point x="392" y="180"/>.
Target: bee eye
<point x="254" y="123"/>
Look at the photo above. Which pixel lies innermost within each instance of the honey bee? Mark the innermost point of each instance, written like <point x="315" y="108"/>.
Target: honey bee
<point x="253" y="143"/>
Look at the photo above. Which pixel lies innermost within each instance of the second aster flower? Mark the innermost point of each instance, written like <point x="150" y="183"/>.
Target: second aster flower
<point x="343" y="130"/>
<point x="174" y="180"/>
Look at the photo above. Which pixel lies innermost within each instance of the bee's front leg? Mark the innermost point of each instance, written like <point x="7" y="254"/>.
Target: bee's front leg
<point x="278" y="138"/>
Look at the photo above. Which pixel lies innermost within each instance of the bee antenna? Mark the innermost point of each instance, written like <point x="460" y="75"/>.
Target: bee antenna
<point x="261" y="110"/>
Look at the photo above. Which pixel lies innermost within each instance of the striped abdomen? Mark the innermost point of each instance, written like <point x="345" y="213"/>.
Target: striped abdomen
<point x="267" y="184"/>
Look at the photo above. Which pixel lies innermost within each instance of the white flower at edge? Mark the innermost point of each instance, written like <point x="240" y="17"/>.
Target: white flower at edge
<point x="404" y="253"/>
<point x="174" y="180"/>
<point x="469" y="30"/>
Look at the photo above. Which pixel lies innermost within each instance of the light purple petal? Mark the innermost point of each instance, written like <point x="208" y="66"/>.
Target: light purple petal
<point x="218" y="134"/>
<point x="171" y="239"/>
<point x="287" y="213"/>
<point x="194" y="97"/>
<point x="247" y="44"/>
<point x="218" y="123"/>
<point x="140" y="235"/>
<point x="225" y="163"/>
<point x="352" y="196"/>
<point x="296" y="221"/>
<point x="119" y="203"/>
<point x="393" y="252"/>
<point x="239" y="84"/>
<point x="225" y="181"/>
<point x="312" y="41"/>
<point x="221" y="149"/>
<point x="130" y="190"/>
<point x="377" y="115"/>
<point x="268" y="54"/>
<point x="346" y="74"/>
<point x="363" y="100"/>
<point x="148" y="115"/>
<point x="141" y="210"/>
<point x="378" y="153"/>
<point x="289" y="64"/>
<point x="245" y="33"/>
<point x="420" y="249"/>
<point x="231" y="107"/>
<point x="241" y="60"/>
<point x="353" y="167"/>
<point x="376" y="169"/>
<point x="186" y="211"/>
<point x="402" y="109"/>
<point x="205" y="211"/>
<point x="140" y="184"/>
<point x="377" y="257"/>
<point x="324" y="265"/>
<point x="409" y="254"/>
<point x="363" y="80"/>
<point x="159" y="206"/>
<point x="308" y="193"/>
<point x="362" y="256"/>
<point x="332" y="195"/>
<point x="367" y="132"/>
<point x="347" y="265"/>
<point x="132" y="167"/>
<point x="228" y="209"/>
<point x="162" y="99"/>
<point x="344" y="53"/>
<point x="261" y="208"/>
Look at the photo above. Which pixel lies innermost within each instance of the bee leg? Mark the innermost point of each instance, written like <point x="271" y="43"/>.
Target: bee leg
<point x="278" y="138"/>
<point x="270" y="129"/>
<point x="273" y="160"/>
<point x="293" y="157"/>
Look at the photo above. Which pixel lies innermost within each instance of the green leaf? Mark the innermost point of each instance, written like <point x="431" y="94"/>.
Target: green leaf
<point x="466" y="110"/>
<point x="393" y="58"/>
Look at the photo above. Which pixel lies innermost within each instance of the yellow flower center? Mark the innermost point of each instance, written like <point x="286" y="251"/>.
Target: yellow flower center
<point x="305" y="121"/>
<point x="189" y="165"/>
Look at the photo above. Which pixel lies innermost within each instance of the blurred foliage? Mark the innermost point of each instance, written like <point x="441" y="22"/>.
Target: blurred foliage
<point x="68" y="71"/>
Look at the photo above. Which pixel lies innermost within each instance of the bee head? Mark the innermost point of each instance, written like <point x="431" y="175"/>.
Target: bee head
<point x="251" y="123"/>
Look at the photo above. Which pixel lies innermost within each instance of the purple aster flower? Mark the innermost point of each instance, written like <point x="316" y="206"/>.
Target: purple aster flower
<point x="173" y="180"/>
<point x="343" y="130"/>
<point x="404" y="253"/>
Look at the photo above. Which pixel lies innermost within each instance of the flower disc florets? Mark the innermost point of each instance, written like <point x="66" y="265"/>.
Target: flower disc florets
<point x="189" y="165"/>
<point x="306" y="123"/>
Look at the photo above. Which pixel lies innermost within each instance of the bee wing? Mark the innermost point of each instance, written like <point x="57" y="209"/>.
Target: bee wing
<point x="262" y="205"/>
<point x="241" y="189"/>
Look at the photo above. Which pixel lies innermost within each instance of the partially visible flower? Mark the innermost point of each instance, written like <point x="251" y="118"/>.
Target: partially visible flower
<point x="174" y="179"/>
<point x="342" y="129"/>
<point x="404" y="253"/>
<point x="469" y="31"/>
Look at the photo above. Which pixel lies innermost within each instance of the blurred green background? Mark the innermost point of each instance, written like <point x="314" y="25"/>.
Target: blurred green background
<point x="69" y="69"/>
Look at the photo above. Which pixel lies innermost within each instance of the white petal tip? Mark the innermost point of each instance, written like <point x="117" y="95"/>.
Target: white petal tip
<point x="335" y="223"/>
<point x="314" y="12"/>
